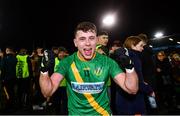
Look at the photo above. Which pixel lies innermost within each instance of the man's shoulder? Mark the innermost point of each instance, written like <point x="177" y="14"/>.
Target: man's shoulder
<point x="102" y="57"/>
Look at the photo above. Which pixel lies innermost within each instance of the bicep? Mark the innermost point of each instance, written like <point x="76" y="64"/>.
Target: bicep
<point x="120" y="80"/>
<point x="56" y="78"/>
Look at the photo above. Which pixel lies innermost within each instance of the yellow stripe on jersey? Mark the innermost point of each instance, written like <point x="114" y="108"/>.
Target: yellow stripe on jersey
<point x="88" y="96"/>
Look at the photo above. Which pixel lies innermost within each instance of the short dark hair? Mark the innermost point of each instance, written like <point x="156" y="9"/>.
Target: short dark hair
<point x="10" y="48"/>
<point x="54" y="48"/>
<point x="61" y="48"/>
<point x="85" y="26"/>
<point x="23" y="51"/>
<point x="103" y="33"/>
<point x="117" y="43"/>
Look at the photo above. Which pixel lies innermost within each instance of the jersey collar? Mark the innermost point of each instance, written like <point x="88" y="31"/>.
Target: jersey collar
<point x="82" y="59"/>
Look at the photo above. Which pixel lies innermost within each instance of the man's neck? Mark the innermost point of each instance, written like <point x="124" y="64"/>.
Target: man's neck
<point x="82" y="58"/>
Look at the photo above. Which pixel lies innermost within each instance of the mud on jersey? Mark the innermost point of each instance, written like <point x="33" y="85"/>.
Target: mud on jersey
<point x="87" y="83"/>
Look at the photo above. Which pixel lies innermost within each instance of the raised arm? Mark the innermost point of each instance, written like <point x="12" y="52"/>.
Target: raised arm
<point x="128" y="81"/>
<point x="48" y="84"/>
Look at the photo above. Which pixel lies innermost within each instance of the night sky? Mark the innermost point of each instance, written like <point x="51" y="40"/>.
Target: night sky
<point x="32" y="23"/>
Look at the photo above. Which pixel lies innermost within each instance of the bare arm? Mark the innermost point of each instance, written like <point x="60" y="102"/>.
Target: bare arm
<point x="127" y="81"/>
<point x="49" y="84"/>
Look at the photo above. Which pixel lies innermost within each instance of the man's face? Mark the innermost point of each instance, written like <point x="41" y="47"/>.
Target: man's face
<point x="39" y="50"/>
<point x="86" y="44"/>
<point x="160" y="56"/>
<point x="55" y="51"/>
<point x="61" y="55"/>
<point x="103" y="39"/>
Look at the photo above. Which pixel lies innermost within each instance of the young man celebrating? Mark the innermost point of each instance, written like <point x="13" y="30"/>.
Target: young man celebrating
<point x="87" y="73"/>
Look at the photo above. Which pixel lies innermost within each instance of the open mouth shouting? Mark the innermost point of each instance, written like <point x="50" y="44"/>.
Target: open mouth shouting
<point x="88" y="51"/>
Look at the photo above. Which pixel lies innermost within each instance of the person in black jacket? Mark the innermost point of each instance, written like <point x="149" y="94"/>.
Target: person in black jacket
<point x="164" y="80"/>
<point x="9" y="76"/>
<point x="148" y="70"/>
<point x="132" y="104"/>
<point x="148" y="62"/>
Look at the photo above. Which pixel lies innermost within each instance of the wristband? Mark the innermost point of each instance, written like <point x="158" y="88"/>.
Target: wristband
<point x="130" y="70"/>
<point x="44" y="73"/>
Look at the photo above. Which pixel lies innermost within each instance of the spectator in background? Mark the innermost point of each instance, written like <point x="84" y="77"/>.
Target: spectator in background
<point x="9" y="76"/>
<point x="164" y="80"/>
<point x="55" y="50"/>
<point x="115" y="45"/>
<point x="175" y="62"/>
<point x="24" y="75"/>
<point x="103" y="39"/>
<point x="133" y="104"/>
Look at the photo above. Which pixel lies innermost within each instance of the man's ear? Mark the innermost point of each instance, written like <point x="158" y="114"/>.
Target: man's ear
<point x="75" y="43"/>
